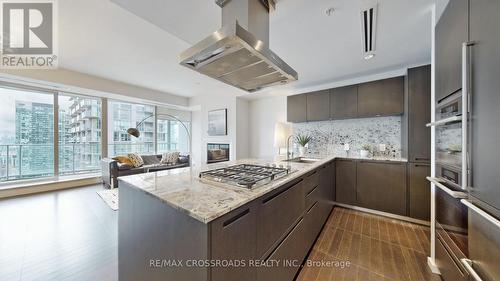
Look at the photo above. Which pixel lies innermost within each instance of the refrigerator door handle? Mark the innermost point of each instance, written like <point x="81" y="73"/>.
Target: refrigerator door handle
<point x="468" y="266"/>
<point x="454" y="194"/>
<point x="465" y="112"/>
<point x="480" y="212"/>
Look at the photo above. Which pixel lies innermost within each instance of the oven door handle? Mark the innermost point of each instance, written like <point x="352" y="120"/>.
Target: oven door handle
<point x="480" y="212"/>
<point x="445" y="121"/>
<point x="465" y="112"/>
<point x="452" y="193"/>
<point x="468" y="266"/>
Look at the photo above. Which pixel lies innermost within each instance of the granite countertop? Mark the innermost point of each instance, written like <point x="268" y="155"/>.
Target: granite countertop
<point x="183" y="190"/>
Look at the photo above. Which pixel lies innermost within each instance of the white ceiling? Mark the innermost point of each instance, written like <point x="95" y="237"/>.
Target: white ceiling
<point x="138" y="42"/>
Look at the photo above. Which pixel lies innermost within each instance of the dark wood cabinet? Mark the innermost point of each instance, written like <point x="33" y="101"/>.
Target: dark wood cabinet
<point x="381" y="98"/>
<point x="235" y="237"/>
<point x="419" y="114"/>
<point x="485" y="96"/>
<point x="318" y="105"/>
<point x="381" y="186"/>
<point x="345" y="181"/>
<point x="294" y="247"/>
<point x="344" y="102"/>
<point x="451" y="32"/>
<point x="277" y="213"/>
<point x="296" y="110"/>
<point x="419" y="190"/>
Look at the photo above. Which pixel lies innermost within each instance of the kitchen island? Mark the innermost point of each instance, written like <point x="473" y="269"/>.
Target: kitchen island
<point x="173" y="226"/>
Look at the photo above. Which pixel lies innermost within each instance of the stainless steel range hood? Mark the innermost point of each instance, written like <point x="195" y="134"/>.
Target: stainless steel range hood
<point x="238" y="53"/>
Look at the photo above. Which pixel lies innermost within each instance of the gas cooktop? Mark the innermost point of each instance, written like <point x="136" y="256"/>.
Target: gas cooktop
<point x="245" y="175"/>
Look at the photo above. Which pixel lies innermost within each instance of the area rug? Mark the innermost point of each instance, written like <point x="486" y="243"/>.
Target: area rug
<point x="110" y="196"/>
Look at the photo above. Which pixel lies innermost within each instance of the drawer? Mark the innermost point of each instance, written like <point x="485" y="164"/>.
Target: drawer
<point x="449" y="269"/>
<point x="292" y="249"/>
<point x="314" y="223"/>
<point x="313" y="196"/>
<point x="277" y="213"/>
<point x="311" y="181"/>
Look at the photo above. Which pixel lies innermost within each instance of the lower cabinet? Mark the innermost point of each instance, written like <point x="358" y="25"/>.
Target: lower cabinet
<point x="345" y="181"/>
<point x="419" y="191"/>
<point x="277" y="212"/>
<point x="234" y="235"/>
<point x="288" y="255"/>
<point x="381" y="186"/>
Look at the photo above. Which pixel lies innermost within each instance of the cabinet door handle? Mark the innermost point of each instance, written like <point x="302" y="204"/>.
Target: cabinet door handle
<point x="235" y="218"/>
<point x="421" y="159"/>
<point x="465" y="111"/>
<point x="468" y="266"/>
<point x="422" y="165"/>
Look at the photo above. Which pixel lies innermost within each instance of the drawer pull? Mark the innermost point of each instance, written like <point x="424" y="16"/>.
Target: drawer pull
<point x="308" y="211"/>
<point x="482" y="213"/>
<point x="468" y="266"/>
<point x="235" y="218"/>
<point x="454" y="194"/>
<point x="311" y="191"/>
<point x="280" y="192"/>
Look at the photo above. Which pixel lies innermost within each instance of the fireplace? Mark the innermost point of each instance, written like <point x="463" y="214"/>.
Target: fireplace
<point x="217" y="152"/>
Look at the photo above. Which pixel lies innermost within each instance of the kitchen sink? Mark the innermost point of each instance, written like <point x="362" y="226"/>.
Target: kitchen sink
<point x="302" y="160"/>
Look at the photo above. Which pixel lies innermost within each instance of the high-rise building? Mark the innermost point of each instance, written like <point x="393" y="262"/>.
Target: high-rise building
<point x="85" y="134"/>
<point x="34" y="134"/>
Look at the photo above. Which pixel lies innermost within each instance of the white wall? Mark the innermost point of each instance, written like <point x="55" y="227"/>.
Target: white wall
<point x="242" y="128"/>
<point x="263" y="115"/>
<point x="202" y="105"/>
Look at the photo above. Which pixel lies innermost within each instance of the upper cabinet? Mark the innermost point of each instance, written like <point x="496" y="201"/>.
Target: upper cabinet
<point x="296" y="108"/>
<point x="381" y="98"/>
<point x="318" y="105"/>
<point x="419" y="114"/>
<point x="451" y="32"/>
<point x="377" y="98"/>
<point x="344" y="102"/>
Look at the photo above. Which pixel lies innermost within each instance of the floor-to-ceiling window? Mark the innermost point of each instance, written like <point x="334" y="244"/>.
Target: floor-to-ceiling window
<point x="123" y="115"/>
<point x="171" y="134"/>
<point x="79" y="134"/>
<point x="26" y="134"/>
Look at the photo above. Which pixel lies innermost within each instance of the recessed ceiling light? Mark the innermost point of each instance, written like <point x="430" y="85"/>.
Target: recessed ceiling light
<point x="330" y="11"/>
<point x="369" y="56"/>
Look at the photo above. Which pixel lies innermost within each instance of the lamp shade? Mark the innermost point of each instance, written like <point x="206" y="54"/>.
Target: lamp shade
<point x="281" y="132"/>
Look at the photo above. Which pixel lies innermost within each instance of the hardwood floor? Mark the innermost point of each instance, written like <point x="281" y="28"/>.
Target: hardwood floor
<point x="72" y="235"/>
<point x="377" y="248"/>
<point x="64" y="235"/>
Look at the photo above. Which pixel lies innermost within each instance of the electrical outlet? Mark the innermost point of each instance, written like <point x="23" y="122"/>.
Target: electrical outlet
<point x="346" y="147"/>
<point x="381" y="147"/>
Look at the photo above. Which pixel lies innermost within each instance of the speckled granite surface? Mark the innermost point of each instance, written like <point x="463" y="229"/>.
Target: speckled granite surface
<point x="183" y="190"/>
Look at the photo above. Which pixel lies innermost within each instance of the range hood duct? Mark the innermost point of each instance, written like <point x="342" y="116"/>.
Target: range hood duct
<point x="238" y="53"/>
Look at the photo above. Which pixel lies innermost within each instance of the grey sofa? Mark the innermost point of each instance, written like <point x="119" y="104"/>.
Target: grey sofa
<point x="111" y="169"/>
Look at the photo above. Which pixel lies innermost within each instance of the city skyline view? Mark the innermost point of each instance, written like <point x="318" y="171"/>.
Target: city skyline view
<point x="26" y="138"/>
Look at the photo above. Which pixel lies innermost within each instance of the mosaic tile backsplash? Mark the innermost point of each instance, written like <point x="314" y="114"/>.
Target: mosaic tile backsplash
<point x="330" y="136"/>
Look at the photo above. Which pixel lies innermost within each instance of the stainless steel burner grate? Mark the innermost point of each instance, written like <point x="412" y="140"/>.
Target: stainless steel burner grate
<point x="245" y="175"/>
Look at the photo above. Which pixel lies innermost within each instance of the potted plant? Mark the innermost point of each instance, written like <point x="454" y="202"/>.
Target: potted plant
<point x="365" y="150"/>
<point x="303" y="141"/>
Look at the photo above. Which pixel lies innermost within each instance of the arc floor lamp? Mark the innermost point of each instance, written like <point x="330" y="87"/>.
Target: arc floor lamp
<point x="136" y="133"/>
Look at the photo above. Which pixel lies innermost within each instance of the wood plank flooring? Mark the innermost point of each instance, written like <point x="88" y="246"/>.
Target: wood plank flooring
<point x="375" y="247"/>
<point x="63" y="235"/>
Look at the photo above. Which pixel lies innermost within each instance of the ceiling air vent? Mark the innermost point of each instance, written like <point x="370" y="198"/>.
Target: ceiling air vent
<point x="368" y="31"/>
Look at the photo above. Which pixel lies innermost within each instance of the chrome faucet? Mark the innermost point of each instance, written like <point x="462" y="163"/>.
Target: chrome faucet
<point x="288" y="148"/>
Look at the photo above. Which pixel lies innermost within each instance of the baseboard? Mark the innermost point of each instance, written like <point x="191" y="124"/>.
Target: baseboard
<point x="384" y="214"/>
<point x="433" y="266"/>
<point x="45" y="186"/>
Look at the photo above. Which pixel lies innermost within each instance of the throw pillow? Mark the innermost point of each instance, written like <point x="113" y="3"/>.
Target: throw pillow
<point x="136" y="159"/>
<point x="122" y="159"/>
<point x="169" y="157"/>
<point x="150" y="159"/>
